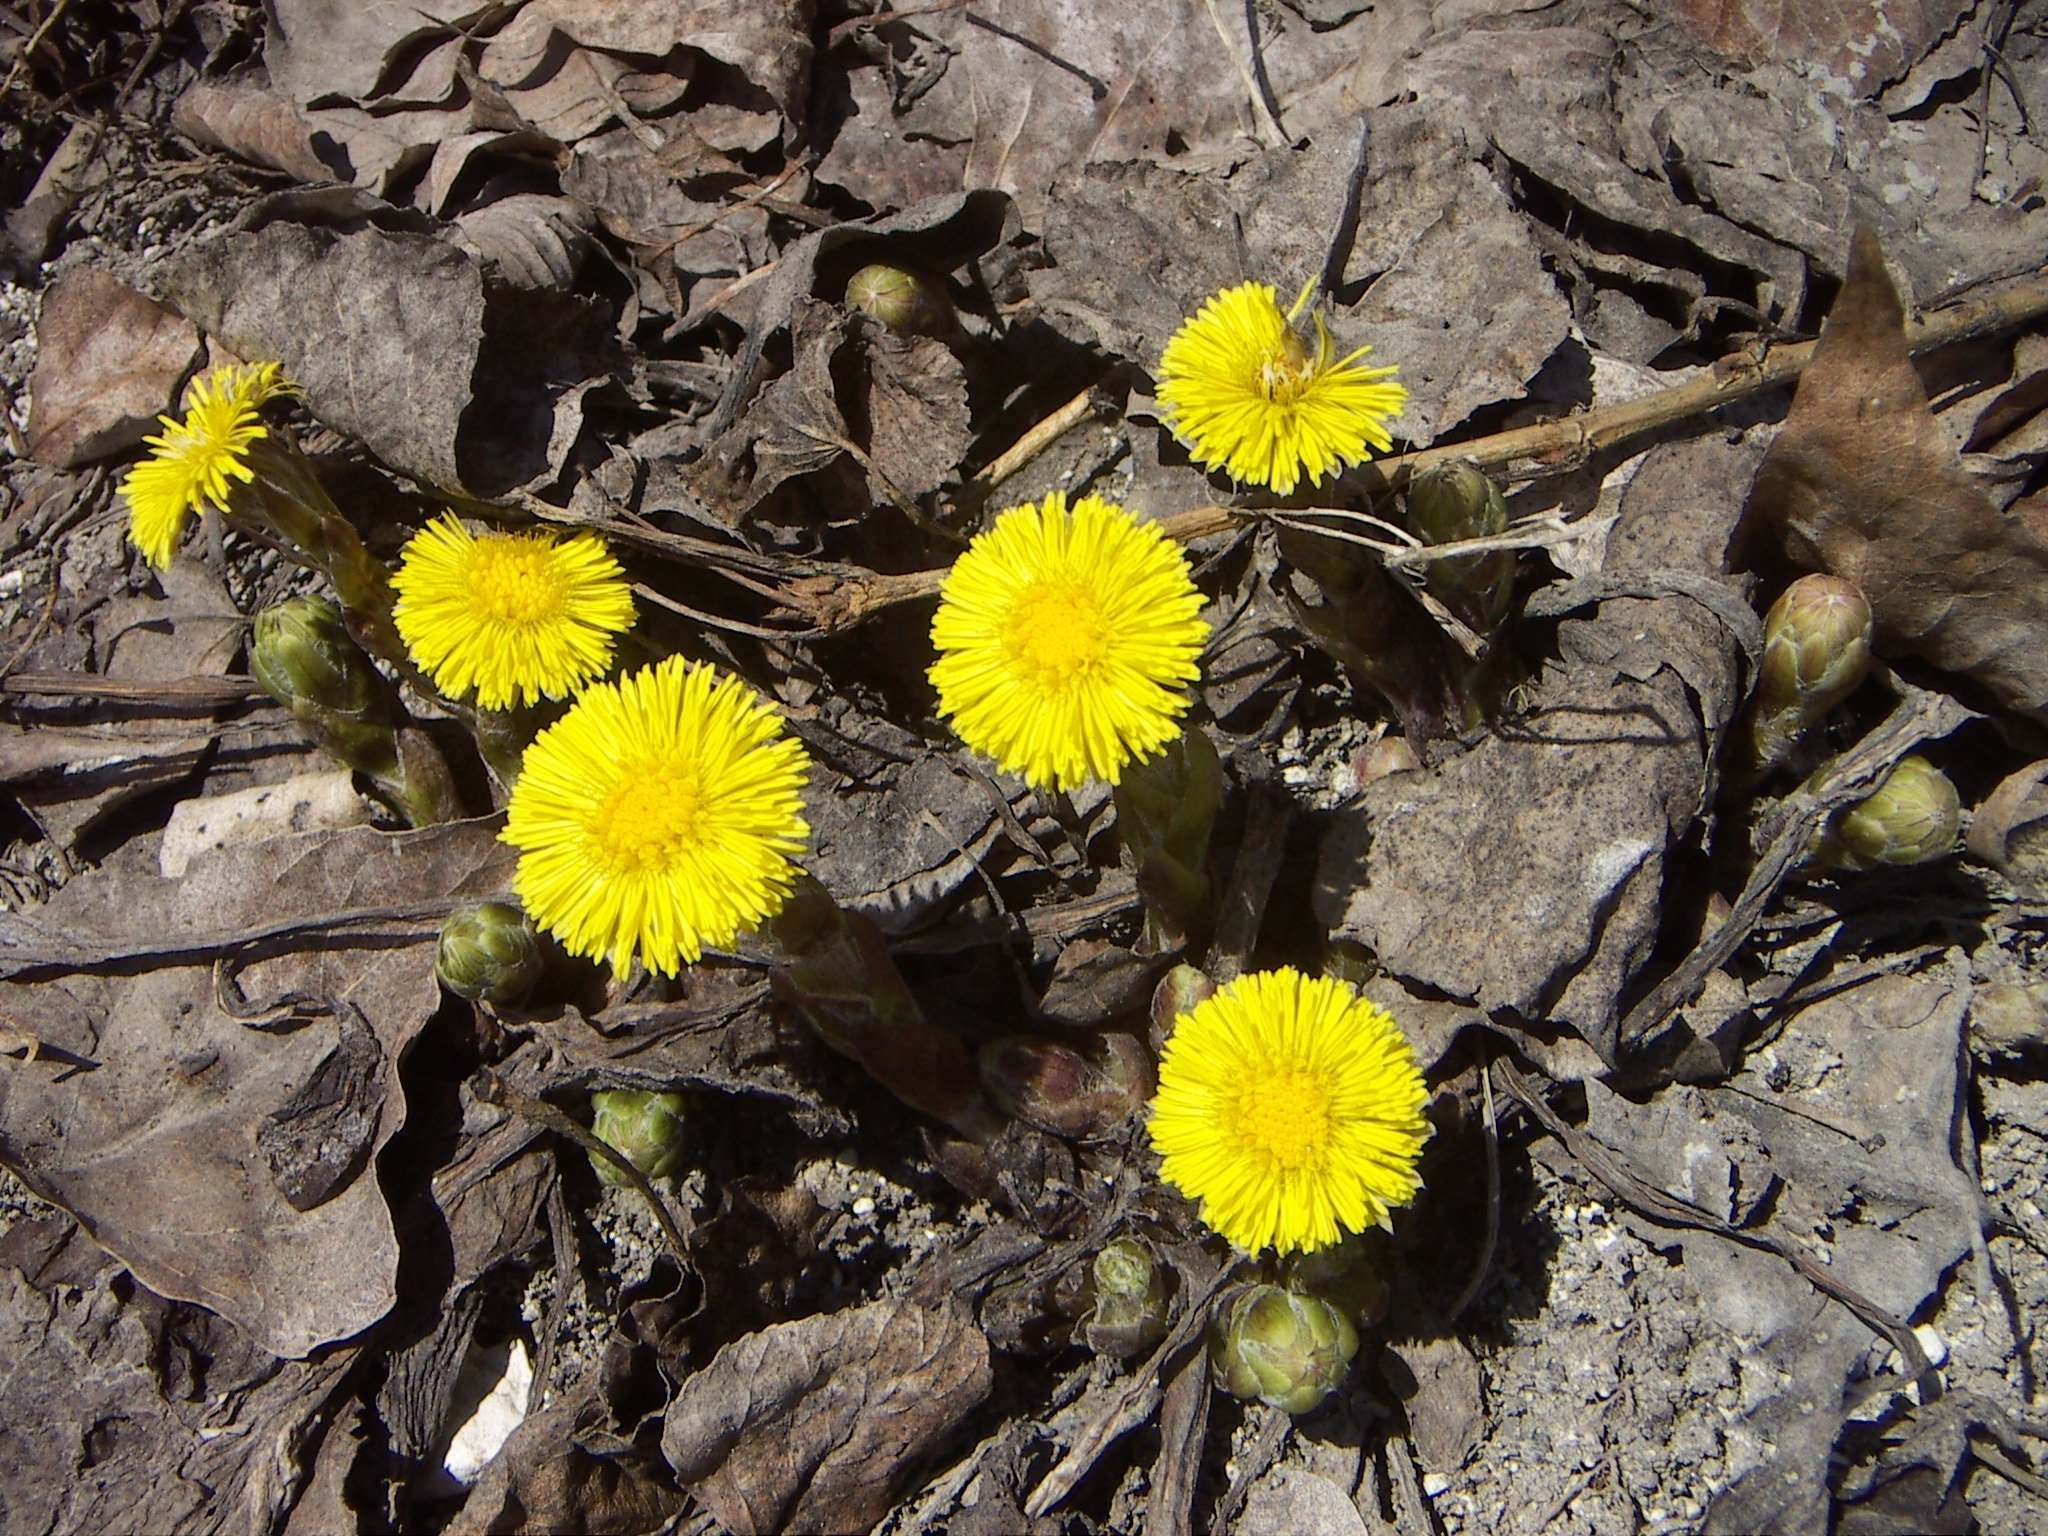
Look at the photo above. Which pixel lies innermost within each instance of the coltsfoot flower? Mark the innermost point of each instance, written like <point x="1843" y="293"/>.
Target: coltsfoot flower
<point x="192" y="465"/>
<point x="658" y="816"/>
<point x="1250" y="395"/>
<point x="514" y="617"/>
<point x="1066" y="638"/>
<point x="1291" y="1108"/>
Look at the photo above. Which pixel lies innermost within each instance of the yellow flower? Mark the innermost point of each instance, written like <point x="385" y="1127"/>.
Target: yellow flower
<point x="515" y="616"/>
<point x="1249" y="395"/>
<point x="191" y="464"/>
<point x="1292" y="1109"/>
<point x="657" y="816"/>
<point x="1066" y="638"/>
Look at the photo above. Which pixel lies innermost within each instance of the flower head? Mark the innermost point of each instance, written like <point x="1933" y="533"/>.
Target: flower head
<point x="657" y="816"/>
<point x="1066" y="637"/>
<point x="515" y="616"/>
<point x="191" y="464"/>
<point x="1250" y="395"/>
<point x="1292" y="1109"/>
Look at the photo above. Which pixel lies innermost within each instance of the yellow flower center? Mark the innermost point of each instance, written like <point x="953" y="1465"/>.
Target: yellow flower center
<point x="651" y="821"/>
<point x="1287" y="373"/>
<point x="1057" y="633"/>
<point x="1283" y="1116"/>
<point x="515" y="580"/>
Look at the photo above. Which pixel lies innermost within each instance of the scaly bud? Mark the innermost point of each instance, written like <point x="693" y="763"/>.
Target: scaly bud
<point x="1166" y="809"/>
<point x="645" y="1126"/>
<point x="1282" y="1347"/>
<point x="1458" y="501"/>
<point x="1133" y="1299"/>
<point x="909" y="303"/>
<point x="1911" y="818"/>
<point x="1064" y="1091"/>
<point x="488" y="950"/>
<point x="304" y="657"/>
<point x="1816" y="652"/>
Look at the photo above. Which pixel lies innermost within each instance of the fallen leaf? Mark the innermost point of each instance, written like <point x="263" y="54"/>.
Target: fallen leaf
<point x="1867" y="43"/>
<point x="811" y="1425"/>
<point x="1526" y="875"/>
<point x="119" y="1412"/>
<point x="254" y="123"/>
<point x="916" y="432"/>
<point x="108" y="362"/>
<point x="1949" y="579"/>
<point x="396" y="338"/>
<point x="320" y="50"/>
<point x="159" y="1148"/>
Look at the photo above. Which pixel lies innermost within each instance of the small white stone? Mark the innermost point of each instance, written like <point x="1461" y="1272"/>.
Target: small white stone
<point x="500" y="1412"/>
<point x="864" y="1206"/>
<point x="1932" y="1344"/>
<point x="1435" y="1484"/>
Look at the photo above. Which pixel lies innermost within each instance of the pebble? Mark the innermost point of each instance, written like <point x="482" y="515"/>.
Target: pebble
<point x="1435" y="1484"/>
<point x="864" y="1206"/>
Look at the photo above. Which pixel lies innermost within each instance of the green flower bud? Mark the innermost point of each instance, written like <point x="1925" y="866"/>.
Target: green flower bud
<point x="1064" y="1091"/>
<point x="1816" y="652"/>
<point x="488" y="950"/>
<point x="909" y="303"/>
<point x="1133" y="1295"/>
<point x="305" y="658"/>
<point x="645" y="1126"/>
<point x="1913" y="817"/>
<point x="1282" y="1347"/>
<point x="1457" y="501"/>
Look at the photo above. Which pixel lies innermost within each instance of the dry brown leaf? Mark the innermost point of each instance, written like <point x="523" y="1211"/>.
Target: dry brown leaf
<point x="1866" y="42"/>
<point x="1526" y="875"/>
<point x="529" y="240"/>
<point x="327" y="49"/>
<point x="121" y="1413"/>
<point x="395" y="338"/>
<point x="917" y="430"/>
<point x="108" y="360"/>
<point x="811" y="1425"/>
<point x="160" y="1148"/>
<point x="1863" y="483"/>
<point x="253" y="122"/>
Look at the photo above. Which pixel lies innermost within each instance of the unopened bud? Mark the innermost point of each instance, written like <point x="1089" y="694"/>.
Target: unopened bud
<point x="644" y="1126"/>
<point x="1816" y="652"/>
<point x="1913" y="817"/>
<point x="1457" y="501"/>
<point x="1133" y="1299"/>
<point x="1064" y="1091"/>
<point x="304" y="656"/>
<point x="1282" y="1348"/>
<point x="488" y="950"/>
<point x="905" y="301"/>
